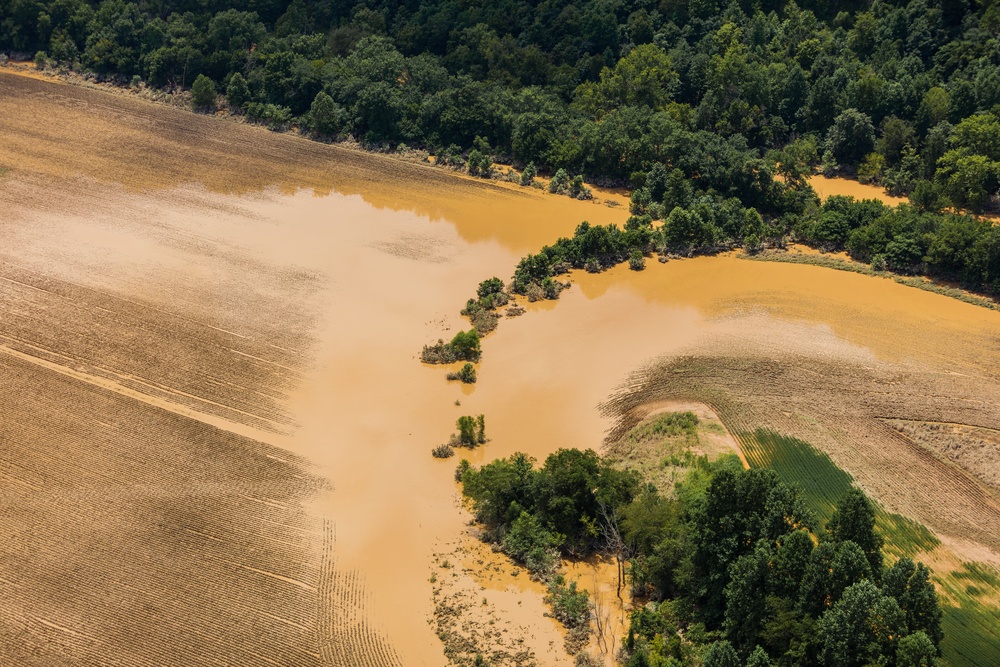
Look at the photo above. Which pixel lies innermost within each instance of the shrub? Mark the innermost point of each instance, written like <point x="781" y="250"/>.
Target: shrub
<point x="530" y="543"/>
<point x="203" y="93"/>
<point x="467" y="435"/>
<point x="463" y="347"/>
<point x="41" y="60"/>
<point x="528" y="175"/>
<point x="237" y="92"/>
<point x="326" y="117"/>
<point x="560" y="182"/>
<point x="467" y="374"/>
<point x="275" y="117"/>
<point x="460" y="469"/>
<point x="466" y="345"/>
<point x="578" y="190"/>
<point x="569" y="605"/>
<point x="443" y="451"/>
<point x="636" y="261"/>
<point x="489" y="287"/>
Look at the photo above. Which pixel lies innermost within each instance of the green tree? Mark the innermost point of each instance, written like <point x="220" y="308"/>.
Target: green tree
<point x="237" y="92"/>
<point x="466" y="345"/>
<point x="326" y="117"/>
<point x="854" y="520"/>
<point x="910" y="584"/>
<point x="758" y="658"/>
<point x="203" y="92"/>
<point x="746" y="597"/>
<point x="466" y="426"/>
<point x="721" y="654"/>
<point x="851" y="137"/>
<point x="645" y="77"/>
<point x="916" y="650"/>
<point x="862" y="628"/>
<point x="529" y="542"/>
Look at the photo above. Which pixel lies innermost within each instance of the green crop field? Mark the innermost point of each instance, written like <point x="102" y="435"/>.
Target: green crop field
<point x="970" y="597"/>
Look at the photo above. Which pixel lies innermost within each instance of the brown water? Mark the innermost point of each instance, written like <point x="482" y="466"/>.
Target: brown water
<point x="350" y="263"/>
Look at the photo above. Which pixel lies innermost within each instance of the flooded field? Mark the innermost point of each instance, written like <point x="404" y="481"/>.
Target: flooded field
<point x="218" y="426"/>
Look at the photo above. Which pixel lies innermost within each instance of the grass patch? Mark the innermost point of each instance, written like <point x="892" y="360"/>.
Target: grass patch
<point x="661" y="449"/>
<point x="856" y="267"/>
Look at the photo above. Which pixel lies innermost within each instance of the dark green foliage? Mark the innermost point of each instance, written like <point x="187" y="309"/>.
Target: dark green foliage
<point x="326" y="117"/>
<point x="203" y="92"/>
<point x="864" y="625"/>
<point x="851" y="137"/>
<point x="739" y="509"/>
<point x="572" y="496"/>
<point x="466" y="345"/>
<point x="854" y="521"/>
<point x="721" y="654"/>
<point x="758" y="658"/>
<point x="910" y="584"/>
<point x="529" y="542"/>
<point x="489" y="287"/>
<point x="237" y="92"/>
<point x="732" y="554"/>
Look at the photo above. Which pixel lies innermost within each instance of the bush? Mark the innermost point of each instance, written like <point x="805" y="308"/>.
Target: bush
<point x="443" y="451"/>
<point x="560" y="182"/>
<point x="467" y="374"/>
<point x="275" y="117"/>
<point x="489" y="287"/>
<point x="463" y="347"/>
<point x="326" y="117"/>
<point x="636" y="261"/>
<point x="203" y="93"/>
<point x="528" y="175"/>
<point x="471" y="430"/>
<point x="460" y="469"/>
<point x="237" y="92"/>
<point x="41" y="60"/>
<point x="569" y="605"/>
<point x="528" y="542"/>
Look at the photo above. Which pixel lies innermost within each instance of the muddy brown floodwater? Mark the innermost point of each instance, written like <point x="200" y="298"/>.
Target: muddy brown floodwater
<point x="178" y="289"/>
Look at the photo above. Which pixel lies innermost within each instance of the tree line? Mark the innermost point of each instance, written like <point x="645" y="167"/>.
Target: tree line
<point x="736" y="570"/>
<point x="731" y="94"/>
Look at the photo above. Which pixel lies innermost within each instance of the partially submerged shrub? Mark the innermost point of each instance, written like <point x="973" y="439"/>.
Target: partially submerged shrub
<point x="463" y="347"/>
<point x="636" y="261"/>
<point x="443" y="451"/>
<point x="466" y="374"/>
<point x="530" y="543"/>
<point x="460" y="469"/>
<point x="569" y="605"/>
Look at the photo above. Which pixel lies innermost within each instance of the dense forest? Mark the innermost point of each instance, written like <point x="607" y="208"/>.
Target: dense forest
<point x="717" y="109"/>
<point x="735" y="568"/>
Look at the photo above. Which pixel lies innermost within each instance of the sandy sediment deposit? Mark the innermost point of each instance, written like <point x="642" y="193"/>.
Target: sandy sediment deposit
<point x="217" y="433"/>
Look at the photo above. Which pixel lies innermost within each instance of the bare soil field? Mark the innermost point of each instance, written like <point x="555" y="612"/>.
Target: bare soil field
<point x="133" y="536"/>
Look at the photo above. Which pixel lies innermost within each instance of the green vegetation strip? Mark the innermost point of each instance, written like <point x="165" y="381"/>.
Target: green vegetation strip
<point x="969" y="597"/>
